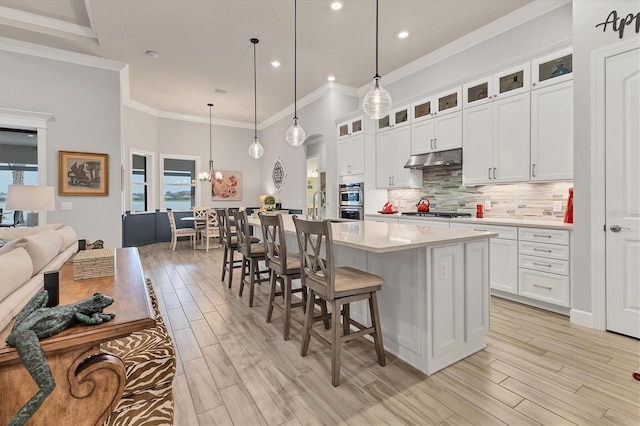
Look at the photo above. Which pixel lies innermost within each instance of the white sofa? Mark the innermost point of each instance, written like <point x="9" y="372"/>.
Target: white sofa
<point x="28" y="254"/>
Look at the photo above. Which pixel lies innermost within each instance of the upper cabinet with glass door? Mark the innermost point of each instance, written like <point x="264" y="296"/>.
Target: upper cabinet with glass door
<point x="552" y="69"/>
<point x="443" y="103"/>
<point x="350" y="127"/>
<point x="509" y="82"/>
<point x="398" y="117"/>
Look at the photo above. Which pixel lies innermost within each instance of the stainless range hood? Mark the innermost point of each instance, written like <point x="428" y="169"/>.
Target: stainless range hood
<point x="440" y="158"/>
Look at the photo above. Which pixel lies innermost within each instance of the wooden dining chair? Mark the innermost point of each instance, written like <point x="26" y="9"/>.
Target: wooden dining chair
<point x="179" y="232"/>
<point x="339" y="286"/>
<point x="200" y="216"/>
<point x="252" y="253"/>
<point x="210" y="229"/>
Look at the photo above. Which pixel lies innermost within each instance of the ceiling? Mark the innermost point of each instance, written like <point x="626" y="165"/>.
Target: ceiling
<point x="204" y="44"/>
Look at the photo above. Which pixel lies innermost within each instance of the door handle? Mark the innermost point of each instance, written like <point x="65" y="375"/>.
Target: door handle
<point x="489" y="172"/>
<point x="431" y="144"/>
<point x="618" y="228"/>
<point x="435" y="143"/>
<point x="533" y="170"/>
<point x="494" y="172"/>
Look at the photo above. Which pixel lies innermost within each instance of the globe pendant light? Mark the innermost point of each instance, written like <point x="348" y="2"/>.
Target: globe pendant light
<point x="295" y="134"/>
<point x="255" y="149"/>
<point x="377" y="102"/>
<point x="211" y="174"/>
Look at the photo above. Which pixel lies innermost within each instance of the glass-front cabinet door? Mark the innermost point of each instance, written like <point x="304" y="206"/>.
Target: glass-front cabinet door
<point x="552" y="69"/>
<point x="512" y="81"/>
<point x="478" y="92"/>
<point x="422" y="109"/>
<point x="449" y="101"/>
<point x="350" y="127"/>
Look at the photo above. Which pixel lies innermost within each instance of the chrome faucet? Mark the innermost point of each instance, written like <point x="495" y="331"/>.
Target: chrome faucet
<point x="315" y="210"/>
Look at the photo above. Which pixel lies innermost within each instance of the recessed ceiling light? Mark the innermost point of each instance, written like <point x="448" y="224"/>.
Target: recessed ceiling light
<point x="331" y="78"/>
<point x="336" y="5"/>
<point x="403" y="34"/>
<point x="275" y="64"/>
<point x="152" y="54"/>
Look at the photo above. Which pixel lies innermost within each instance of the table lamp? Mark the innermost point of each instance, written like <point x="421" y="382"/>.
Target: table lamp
<point x="31" y="198"/>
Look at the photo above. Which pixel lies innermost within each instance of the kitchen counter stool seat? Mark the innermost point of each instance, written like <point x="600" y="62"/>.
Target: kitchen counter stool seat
<point x="338" y="286"/>
<point x="252" y="253"/>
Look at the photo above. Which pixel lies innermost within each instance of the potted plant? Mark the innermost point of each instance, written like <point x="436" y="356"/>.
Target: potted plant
<point x="270" y="202"/>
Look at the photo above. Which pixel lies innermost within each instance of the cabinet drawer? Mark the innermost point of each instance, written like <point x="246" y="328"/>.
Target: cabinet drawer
<point x="551" y="236"/>
<point x="543" y="286"/>
<point x="553" y="266"/>
<point x="505" y="232"/>
<point x="552" y="251"/>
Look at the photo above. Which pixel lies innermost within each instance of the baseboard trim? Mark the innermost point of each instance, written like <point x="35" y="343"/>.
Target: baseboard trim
<point x="582" y="318"/>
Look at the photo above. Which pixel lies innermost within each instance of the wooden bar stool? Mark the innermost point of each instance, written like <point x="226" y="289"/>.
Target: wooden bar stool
<point x="283" y="268"/>
<point x="252" y="253"/>
<point x="229" y="243"/>
<point x="339" y="286"/>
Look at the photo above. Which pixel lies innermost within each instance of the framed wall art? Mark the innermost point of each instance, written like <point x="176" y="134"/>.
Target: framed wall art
<point x="229" y="187"/>
<point x="83" y="173"/>
<point x="279" y="175"/>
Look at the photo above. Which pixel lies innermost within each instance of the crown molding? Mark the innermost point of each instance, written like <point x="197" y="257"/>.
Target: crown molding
<point x="26" y="48"/>
<point x="41" y="22"/>
<point x="22" y="118"/>
<point x="308" y="99"/>
<point x="501" y="25"/>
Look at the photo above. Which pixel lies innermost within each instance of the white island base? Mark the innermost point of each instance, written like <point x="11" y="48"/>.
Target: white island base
<point x="434" y="304"/>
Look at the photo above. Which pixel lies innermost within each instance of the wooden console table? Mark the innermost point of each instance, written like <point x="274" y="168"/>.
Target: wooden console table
<point x="89" y="383"/>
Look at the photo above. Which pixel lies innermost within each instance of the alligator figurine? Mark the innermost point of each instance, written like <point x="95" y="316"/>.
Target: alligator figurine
<point x="36" y="322"/>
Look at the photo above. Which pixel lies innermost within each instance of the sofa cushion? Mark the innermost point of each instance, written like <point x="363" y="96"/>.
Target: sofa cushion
<point x="17" y="300"/>
<point x="14" y="233"/>
<point x="17" y="269"/>
<point x="68" y="236"/>
<point x="42" y="247"/>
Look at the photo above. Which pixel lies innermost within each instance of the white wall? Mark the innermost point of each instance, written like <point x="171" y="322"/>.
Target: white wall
<point x="586" y="39"/>
<point x="85" y="102"/>
<point x="317" y="118"/>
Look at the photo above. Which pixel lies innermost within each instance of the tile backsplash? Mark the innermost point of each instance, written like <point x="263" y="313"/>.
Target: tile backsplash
<point x="443" y="186"/>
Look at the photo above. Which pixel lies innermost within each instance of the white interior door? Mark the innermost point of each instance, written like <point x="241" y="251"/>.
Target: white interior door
<point x="623" y="192"/>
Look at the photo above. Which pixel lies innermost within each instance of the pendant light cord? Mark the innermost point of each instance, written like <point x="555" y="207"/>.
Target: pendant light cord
<point x="295" y="59"/>
<point x="255" y="91"/>
<point x="377" y="75"/>
<point x="210" y="140"/>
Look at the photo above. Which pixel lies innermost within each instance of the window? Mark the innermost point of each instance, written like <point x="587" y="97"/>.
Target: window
<point x="139" y="183"/>
<point x="179" y="183"/>
<point x="18" y="160"/>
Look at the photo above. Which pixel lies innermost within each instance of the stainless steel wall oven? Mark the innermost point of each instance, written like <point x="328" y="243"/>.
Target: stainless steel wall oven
<point x="351" y="200"/>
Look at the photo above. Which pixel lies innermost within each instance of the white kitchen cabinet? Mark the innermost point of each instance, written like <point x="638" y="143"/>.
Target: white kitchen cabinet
<point x="503" y="261"/>
<point x="552" y="132"/>
<point x="393" y="149"/>
<point x="437" y="134"/>
<point x="387" y="219"/>
<point x="496" y="141"/>
<point x="545" y="265"/>
<point x="552" y="69"/>
<point x="351" y="158"/>
<point x="509" y="82"/>
<point x="398" y="117"/>
<point x="351" y="127"/>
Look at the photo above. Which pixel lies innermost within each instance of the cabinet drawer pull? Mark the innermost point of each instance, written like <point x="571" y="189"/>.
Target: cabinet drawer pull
<point x="542" y="235"/>
<point x="541" y="286"/>
<point x="542" y="250"/>
<point x="494" y="172"/>
<point x="431" y="144"/>
<point x="489" y="172"/>
<point x="533" y="170"/>
<point x="543" y="264"/>
<point x="435" y="143"/>
<point x="481" y="230"/>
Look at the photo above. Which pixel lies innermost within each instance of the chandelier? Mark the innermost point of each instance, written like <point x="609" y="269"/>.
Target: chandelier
<point x="211" y="174"/>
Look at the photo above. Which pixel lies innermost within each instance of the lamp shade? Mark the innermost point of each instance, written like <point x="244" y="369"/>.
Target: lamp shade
<point x="38" y="198"/>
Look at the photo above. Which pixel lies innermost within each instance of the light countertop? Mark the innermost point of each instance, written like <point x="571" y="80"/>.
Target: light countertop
<point x="529" y="223"/>
<point x="380" y="237"/>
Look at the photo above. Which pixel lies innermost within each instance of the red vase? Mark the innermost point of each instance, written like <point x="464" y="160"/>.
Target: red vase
<point x="568" y="214"/>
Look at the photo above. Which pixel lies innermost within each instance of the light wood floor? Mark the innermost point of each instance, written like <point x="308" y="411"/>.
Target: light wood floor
<point x="234" y="368"/>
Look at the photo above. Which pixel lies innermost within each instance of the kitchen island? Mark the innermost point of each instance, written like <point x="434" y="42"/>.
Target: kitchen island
<point x="434" y="304"/>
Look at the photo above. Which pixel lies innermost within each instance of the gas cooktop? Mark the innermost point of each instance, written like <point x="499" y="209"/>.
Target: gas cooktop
<point x="437" y="214"/>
